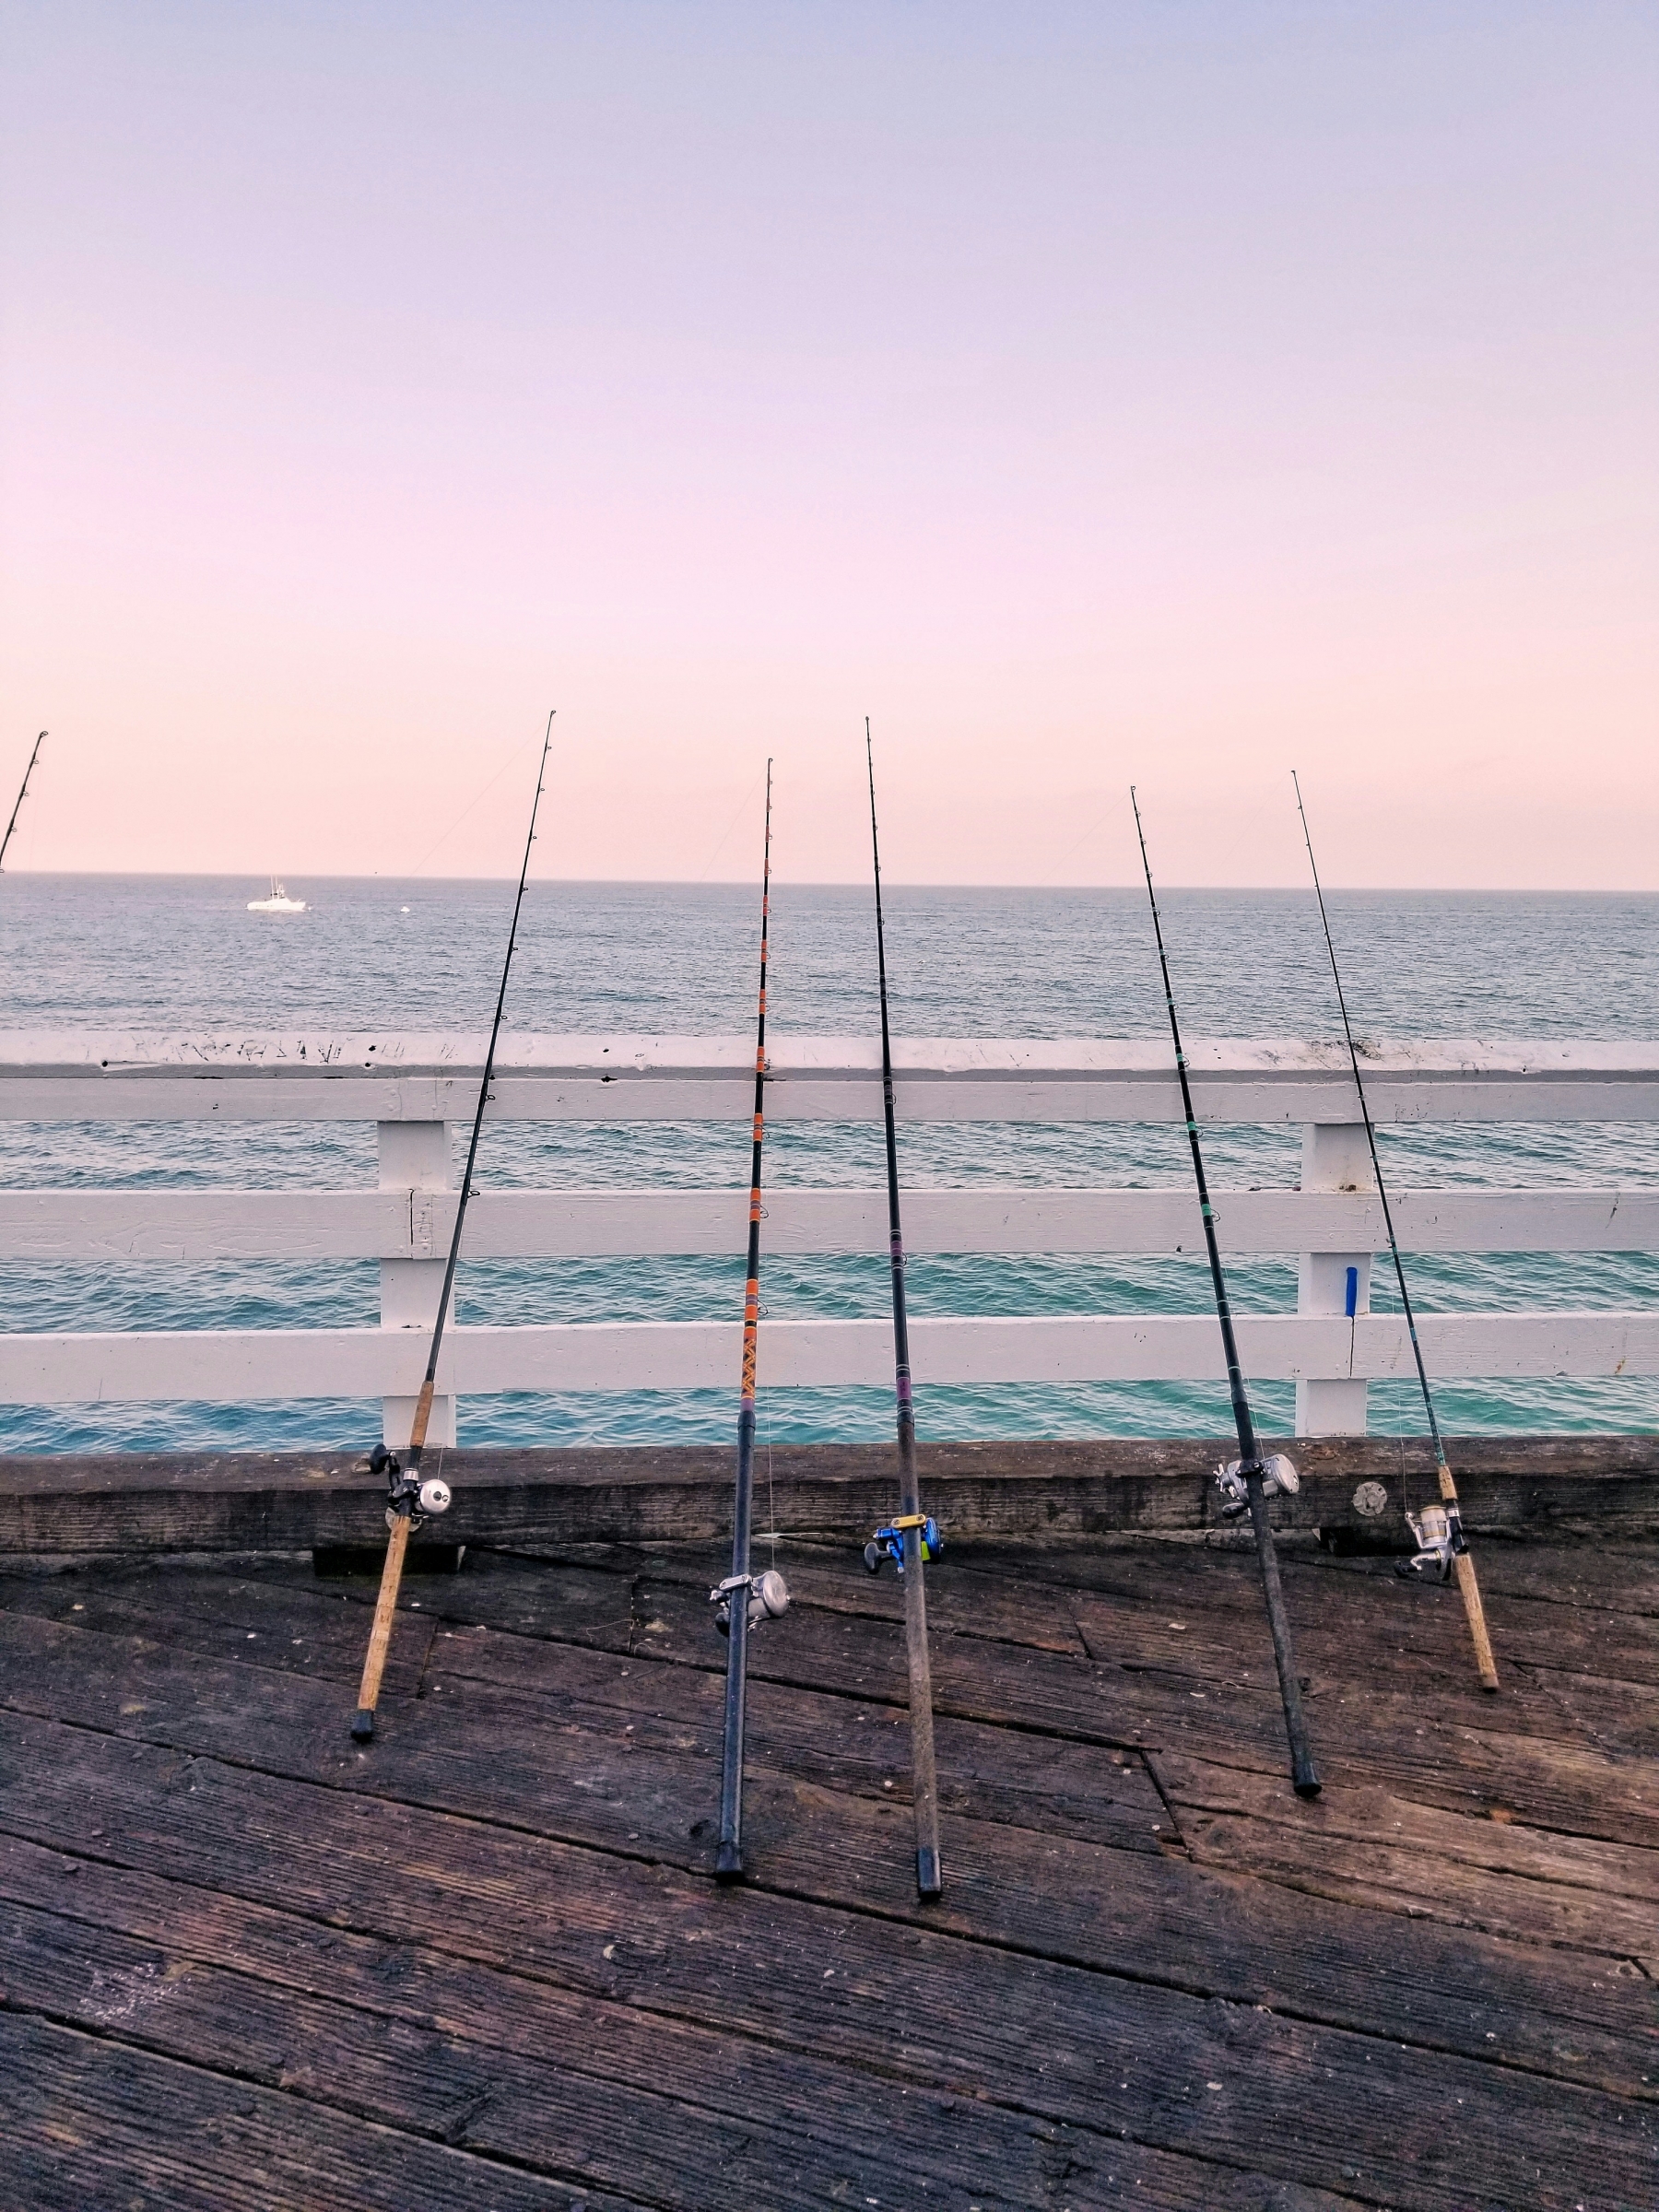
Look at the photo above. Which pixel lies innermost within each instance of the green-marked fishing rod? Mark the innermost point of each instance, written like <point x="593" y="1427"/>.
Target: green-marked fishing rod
<point x="1251" y="1480"/>
<point x="745" y="1599"/>
<point x="409" y="1499"/>
<point x="1438" y="1530"/>
<point x="22" y="794"/>
<point x="914" y="1536"/>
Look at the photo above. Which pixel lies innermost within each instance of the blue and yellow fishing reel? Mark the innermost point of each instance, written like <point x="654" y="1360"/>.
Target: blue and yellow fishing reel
<point x="888" y="1543"/>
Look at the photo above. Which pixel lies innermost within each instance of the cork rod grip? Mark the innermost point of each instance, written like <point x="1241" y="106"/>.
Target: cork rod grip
<point x="1470" y="1588"/>
<point x="380" y="1635"/>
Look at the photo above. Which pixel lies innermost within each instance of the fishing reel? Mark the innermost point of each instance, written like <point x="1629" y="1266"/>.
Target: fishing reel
<point x="768" y="1598"/>
<point x="1439" y="1533"/>
<point x="1279" y="1479"/>
<point x="407" y="1498"/>
<point x="888" y="1543"/>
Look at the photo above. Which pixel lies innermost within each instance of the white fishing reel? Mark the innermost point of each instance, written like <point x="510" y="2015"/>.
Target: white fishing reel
<point x="1440" y="1537"/>
<point x="405" y="1496"/>
<point x="768" y="1598"/>
<point x="1279" y="1479"/>
<point x="433" y="1497"/>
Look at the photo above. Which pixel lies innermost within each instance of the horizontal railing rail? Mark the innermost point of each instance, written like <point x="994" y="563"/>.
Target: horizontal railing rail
<point x="201" y="1225"/>
<point x="126" y="1076"/>
<point x="237" y="1364"/>
<point x="411" y="1087"/>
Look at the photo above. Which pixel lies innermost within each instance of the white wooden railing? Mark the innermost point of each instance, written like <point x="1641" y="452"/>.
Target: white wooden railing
<point x="411" y="1087"/>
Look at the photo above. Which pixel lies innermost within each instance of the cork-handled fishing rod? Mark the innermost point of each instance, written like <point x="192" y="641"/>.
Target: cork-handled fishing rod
<point x="409" y="1499"/>
<point x="914" y="1537"/>
<point x="22" y="794"/>
<point x="1247" y="1485"/>
<point x="744" y="1600"/>
<point x="1438" y="1530"/>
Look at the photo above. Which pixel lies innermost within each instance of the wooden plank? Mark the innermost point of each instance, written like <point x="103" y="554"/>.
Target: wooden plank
<point x="1110" y="1910"/>
<point x="524" y="2070"/>
<point x="205" y="1225"/>
<point x="93" y="2125"/>
<point x="1464" y="1751"/>
<point x="239" y="1366"/>
<point x="1033" y="1493"/>
<point x="1026" y="1780"/>
<point x="1058" y="2040"/>
<point x="1386" y="1853"/>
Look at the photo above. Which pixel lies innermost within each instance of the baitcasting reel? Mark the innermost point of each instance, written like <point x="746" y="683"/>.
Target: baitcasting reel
<point x="888" y="1543"/>
<point x="1280" y="1478"/>
<point x="406" y="1494"/>
<point x="1439" y="1532"/>
<point x="768" y="1598"/>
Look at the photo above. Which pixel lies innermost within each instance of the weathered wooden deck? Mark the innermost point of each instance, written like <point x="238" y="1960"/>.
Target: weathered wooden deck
<point x="482" y="1964"/>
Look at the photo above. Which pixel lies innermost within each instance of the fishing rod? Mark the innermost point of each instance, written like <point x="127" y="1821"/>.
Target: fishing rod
<point x="1248" y="1483"/>
<point x="912" y="1536"/>
<point x="744" y="1600"/>
<point x="1438" y="1530"/>
<point x="22" y="794"/>
<point x="409" y="1499"/>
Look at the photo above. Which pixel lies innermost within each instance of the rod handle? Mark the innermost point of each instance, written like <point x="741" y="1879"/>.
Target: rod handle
<point x="423" y="1415"/>
<point x="924" y="1786"/>
<point x="379" y="1634"/>
<point x="1469" y="1589"/>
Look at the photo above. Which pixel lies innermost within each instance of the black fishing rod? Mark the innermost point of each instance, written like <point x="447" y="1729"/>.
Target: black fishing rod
<point x="914" y="1537"/>
<point x="22" y="794"/>
<point x="1250" y="1481"/>
<point x="1438" y="1530"/>
<point x="409" y="1499"/>
<point x="744" y="1600"/>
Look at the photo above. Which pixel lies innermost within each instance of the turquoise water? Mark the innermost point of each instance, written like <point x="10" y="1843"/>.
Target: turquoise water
<point x="182" y="954"/>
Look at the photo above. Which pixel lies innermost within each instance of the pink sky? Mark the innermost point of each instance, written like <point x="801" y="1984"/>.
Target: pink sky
<point x="1173" y="392"/>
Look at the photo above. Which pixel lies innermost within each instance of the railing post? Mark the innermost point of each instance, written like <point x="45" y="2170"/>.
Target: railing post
<point x="1335" y="1158"/>
<point x="415" y="1156"/>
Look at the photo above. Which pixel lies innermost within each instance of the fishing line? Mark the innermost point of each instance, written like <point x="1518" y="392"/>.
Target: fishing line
<point x="476" y="800"/>
<point x="1438" y="1529"/>
<point x="742" y="810"/>
<point x="1247" y="1484"/>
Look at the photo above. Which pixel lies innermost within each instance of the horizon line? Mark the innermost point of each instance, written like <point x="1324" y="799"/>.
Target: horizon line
<point x="696" y="883"/>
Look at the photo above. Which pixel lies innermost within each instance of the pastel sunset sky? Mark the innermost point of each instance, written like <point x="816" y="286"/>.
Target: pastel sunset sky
<point x="1170" y="391"/>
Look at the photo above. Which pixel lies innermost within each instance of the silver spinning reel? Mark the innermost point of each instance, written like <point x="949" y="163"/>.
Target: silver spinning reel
<point x="406" y="1495"/>
<point x="768" y="1598"/>
<point x="1280" y="1478"/>
<point x="1439" y="1533"/>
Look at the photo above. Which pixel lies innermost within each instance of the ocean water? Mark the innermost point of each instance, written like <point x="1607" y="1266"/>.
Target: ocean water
<point x="182" y="954"/>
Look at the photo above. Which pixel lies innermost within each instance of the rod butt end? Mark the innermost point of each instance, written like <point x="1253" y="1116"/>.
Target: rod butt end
<point x="362" y="1726"/>
<point x="930" y="1881"/>
<point x="1490" y="1681"/>
<point x="1305" y="1782"/>
<point x="728" y="1864"/>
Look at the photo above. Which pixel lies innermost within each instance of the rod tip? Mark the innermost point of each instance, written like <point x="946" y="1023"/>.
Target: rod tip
<point x="1307" y="1783"/>
<point x="728" y="1864"/>
<point x="930" y="1881"/>
<point x="362" y="1727"/>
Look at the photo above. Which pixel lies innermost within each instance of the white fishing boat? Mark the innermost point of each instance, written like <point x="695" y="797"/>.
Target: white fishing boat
<point x="277" y="903"/>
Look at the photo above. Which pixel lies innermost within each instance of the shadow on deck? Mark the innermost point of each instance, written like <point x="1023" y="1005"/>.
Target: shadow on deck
<point x="482" y="1964"/>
